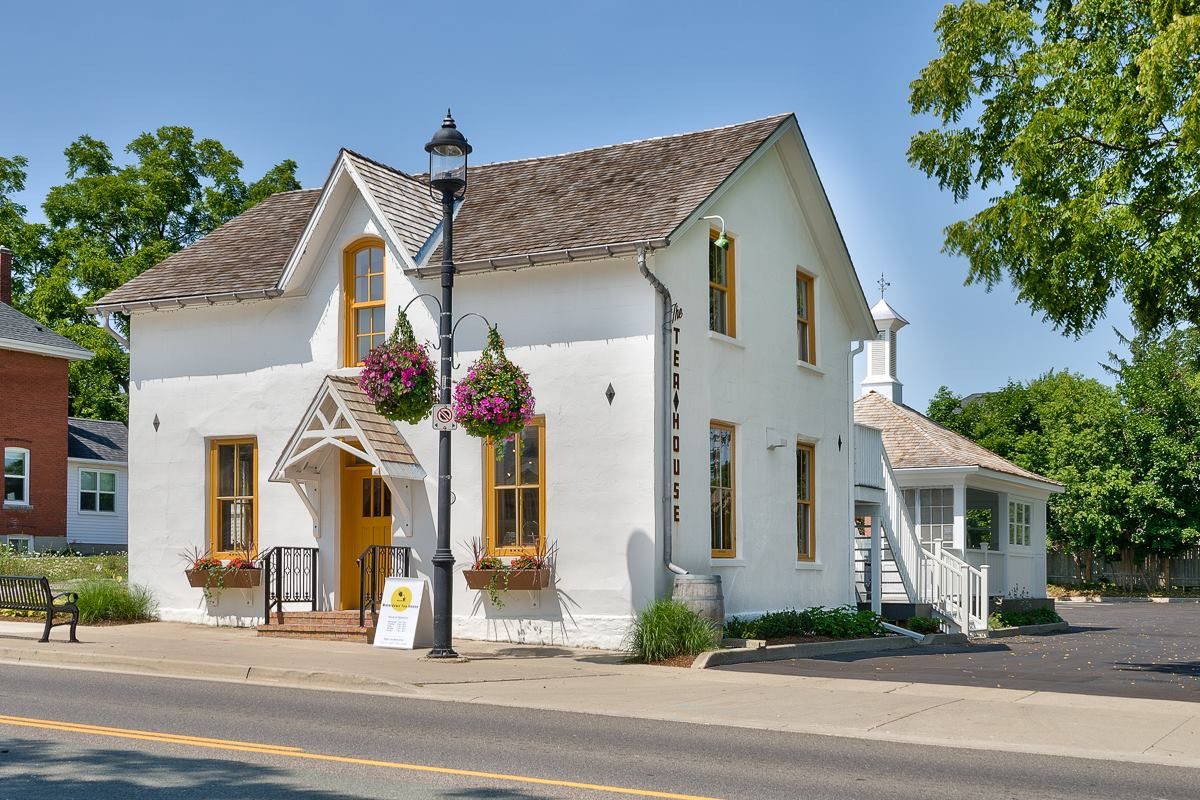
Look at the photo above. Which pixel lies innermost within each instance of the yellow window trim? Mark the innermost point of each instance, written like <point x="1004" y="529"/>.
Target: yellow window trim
<point x="730" y="285"/>
<point x="214" y="533"/>
<point x="731" y="552"/>
<point x="805" y="278"/>
<point x="350" y="302"/>
<point x="489" y="494"/>
<point x="811" y="503"/>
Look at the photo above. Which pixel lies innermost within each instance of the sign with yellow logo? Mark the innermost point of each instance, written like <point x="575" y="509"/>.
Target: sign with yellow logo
<point x="405" y="618"/>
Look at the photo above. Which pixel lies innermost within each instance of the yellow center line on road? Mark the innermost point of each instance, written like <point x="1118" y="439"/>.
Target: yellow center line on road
<point x="299" y="753"/>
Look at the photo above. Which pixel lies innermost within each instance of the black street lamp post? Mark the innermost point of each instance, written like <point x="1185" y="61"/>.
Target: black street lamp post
<point x="448" y="150"/>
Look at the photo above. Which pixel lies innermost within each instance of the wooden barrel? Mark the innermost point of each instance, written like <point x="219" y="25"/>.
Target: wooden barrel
<point x="702" y="594"/>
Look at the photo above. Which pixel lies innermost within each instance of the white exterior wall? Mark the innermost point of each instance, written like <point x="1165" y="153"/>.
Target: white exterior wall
<point x="97" y="527"/>
<point x="756" y="383"/>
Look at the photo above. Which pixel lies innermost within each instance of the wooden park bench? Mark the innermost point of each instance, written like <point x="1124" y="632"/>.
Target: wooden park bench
<point x="22" y="593"/>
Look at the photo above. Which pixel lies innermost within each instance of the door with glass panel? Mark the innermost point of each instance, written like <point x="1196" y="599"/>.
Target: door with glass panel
<point x="366" y="519"/>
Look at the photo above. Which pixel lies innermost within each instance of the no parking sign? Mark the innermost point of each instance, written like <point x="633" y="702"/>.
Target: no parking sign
<point x="443" y="418"/>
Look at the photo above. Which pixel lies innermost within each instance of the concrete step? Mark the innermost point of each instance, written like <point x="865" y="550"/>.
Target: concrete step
<point x="334" y="632"/>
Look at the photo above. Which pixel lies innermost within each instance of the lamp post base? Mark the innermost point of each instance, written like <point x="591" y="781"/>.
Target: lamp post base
<point x="442" y="652"/>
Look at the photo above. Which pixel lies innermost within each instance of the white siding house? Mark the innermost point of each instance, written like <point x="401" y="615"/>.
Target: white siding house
<point x="97" y="485"/>
<point x="242" y="392"/>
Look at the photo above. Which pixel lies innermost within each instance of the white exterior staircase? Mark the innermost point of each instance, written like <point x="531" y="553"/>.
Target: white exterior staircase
<point x="910" y="570"/>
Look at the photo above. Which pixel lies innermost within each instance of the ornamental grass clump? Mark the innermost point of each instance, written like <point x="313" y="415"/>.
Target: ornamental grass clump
<point x="667" y="629"/>
<point x="398" y="376"/>
<point x="110" y="601"/>
<point x="494" y="399"/>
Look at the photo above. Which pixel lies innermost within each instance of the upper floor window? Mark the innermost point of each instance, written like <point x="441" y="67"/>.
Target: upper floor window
<point x="721" y="301"/>
<point x="721" y="489"/>
<point x="364" y="289"/>
<point x="1020" y="523"/>
<point x="233" y="489"/>
<point x="516" y="491"/>
<point x="806" y="332"/>
<point x="97" y="491"/>
<point x="16" y="476"/>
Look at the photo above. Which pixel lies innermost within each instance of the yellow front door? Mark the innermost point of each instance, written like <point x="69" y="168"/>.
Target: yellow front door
<point x="366" y="520"/>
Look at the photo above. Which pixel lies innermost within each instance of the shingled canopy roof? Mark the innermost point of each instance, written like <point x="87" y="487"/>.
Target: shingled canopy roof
<point x="912" y="440"/>
<point x="620" y="194"/>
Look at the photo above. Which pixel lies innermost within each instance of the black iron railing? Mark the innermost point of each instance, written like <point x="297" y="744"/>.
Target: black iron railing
<point x="376" y="564"/>
<point x="289" y="576"/>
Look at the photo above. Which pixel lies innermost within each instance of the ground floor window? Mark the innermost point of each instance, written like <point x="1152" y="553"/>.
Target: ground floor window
<point x="20" y="544"/>
<point x="805" y="545"/>
<point x="932" y="512"/>
<point x="721" y="455"/>
<point x="1020" y="523"/>
<point x="16" y="475"/>
<point x="233" y="495"/>
<point x="515" y="486"/>
<point x="97" y="491"/>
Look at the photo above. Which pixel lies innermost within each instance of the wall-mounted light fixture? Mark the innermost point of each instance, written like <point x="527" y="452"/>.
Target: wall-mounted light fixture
<point x="720" y="241"/>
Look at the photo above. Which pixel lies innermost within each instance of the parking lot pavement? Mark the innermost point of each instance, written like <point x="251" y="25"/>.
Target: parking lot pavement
<point x="1148" y="650"/>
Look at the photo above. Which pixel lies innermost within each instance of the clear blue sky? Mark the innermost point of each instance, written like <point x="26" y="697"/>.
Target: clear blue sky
<point x="274" y="80"/>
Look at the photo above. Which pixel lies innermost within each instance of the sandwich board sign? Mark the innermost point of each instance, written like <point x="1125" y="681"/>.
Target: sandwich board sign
<point x="405" y="617"/>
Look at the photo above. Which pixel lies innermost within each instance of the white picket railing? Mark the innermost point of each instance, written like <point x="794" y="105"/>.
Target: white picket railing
<point x="957" y="591"/>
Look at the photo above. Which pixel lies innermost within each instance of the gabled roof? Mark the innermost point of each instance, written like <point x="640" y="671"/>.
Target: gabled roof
<point x="98" y="439"/>
<point x="620" y="194"/>
<point x="245" y="256"/>
<point x="19" y="332"/>
<point x="912" y="440"/>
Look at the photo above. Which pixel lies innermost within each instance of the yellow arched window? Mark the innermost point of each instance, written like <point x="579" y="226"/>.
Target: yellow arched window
<point x="364" y="290"/>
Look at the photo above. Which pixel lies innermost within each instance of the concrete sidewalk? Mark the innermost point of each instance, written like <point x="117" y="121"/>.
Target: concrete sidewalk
<point x="596" y="682"/>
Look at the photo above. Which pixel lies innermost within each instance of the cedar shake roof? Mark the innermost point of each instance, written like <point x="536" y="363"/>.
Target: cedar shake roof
<point x="245" y="255"/>
<point x="634" y="192"/>
<point x="913" y="440"/>
<point x="620" y="194"/>
<point x="26" y="333"/>
<point x="403" y="199"/>
<point x="99" y="439"/>
<point x="382" y="435"/>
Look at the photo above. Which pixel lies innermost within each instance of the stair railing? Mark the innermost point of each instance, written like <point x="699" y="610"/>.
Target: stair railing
<point x="376" y="564"/>
<point x="289" y="576"/>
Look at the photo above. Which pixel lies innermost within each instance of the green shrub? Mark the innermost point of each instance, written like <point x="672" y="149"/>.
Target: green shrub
<point x="666" y="629"/>
<point x="834" y="623"/>
<point x="923" y="625"/>
<point x="1013" y="619"/>
<point x="111" y="601"/>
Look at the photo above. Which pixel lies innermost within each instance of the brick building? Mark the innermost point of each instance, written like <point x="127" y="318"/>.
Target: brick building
<point x="33" y="424"/>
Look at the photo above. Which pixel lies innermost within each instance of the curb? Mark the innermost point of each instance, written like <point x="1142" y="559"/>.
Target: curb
<point x="784" y="652"/>
<point x="203" y="670"/>
<point x="1027" y="630"/>
<point x="1100" y="600"/>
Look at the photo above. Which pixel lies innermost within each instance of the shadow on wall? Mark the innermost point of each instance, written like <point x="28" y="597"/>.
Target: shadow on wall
<point x="641" y="564"/>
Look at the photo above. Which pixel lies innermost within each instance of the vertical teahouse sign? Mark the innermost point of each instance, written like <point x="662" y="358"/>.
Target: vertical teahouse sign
<point x="676" y="315"/>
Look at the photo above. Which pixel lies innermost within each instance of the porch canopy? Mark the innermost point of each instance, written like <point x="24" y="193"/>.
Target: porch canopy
<point x="342" y="418"/>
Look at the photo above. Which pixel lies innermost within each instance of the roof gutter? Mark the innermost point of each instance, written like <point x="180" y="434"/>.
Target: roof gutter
<point x="159" y="304"/>
<point x="589" y="253"/>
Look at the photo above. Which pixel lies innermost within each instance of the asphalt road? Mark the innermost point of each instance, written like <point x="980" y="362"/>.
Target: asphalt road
<point x="1149" y="650"/>
<point x="336" y="733"/>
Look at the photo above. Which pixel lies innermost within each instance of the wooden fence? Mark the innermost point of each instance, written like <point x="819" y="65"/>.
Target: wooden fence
<point x="1127" y="571"/>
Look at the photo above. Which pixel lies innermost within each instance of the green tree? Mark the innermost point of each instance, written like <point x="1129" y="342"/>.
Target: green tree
<point x="110" y="222"/>
<point x="1083" y="119"/>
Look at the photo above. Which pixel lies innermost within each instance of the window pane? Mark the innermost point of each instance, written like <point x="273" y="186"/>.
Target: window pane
<point x="361" y="290"/>
<point x="376" y="259"/>
<point x="529" y="456"/>
<point x="726" y="519"/>
<point x="14" y="489"/>
<point x="531" y="525"/>
<point x="108" y="502"/>
<point x="14" y="462"/>
<point x="87" y="501"/>
<point x="802" y="338"/>
<point x="362" y="321"/>
<point x="716" y="310"/>
<point x="225" y="457"/>
<point x="802" y="298"/>
<point x="364" y="347"/>
<point x="802" y="529"/>
<point x="377" y="287"/>
<point x="803" y="475"/>
<point x="362" y="263"/>
<point x="506" y="518"/>
<point x="387" y="501"/>
<point x="108" y="481"/>
<point x="716" y="265"/>
<point x="366" y="498"/>
<point x="245" y="486"/>
<point x="87" y="481"/>
<point x="377" y="322"/>
<point x="506" y="466"/>
<point x="717" y="517"/>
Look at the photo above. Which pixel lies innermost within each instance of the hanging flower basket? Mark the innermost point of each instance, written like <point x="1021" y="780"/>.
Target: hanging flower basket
<point x="494" y="399"/>
<point x="398" y="376"/>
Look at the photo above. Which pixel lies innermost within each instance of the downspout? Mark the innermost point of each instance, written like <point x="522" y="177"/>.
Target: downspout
<point x="667" y="326"/>
<point x="859" y="346"/>
<point x="113" y="332"/>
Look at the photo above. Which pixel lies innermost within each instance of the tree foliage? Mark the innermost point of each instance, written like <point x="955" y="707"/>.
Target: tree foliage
<point x="108" y="223"/>
<point x="1083" y="117"/>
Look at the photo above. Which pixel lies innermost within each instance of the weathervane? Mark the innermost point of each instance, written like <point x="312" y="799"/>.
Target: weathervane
<point x="883" y="285"/>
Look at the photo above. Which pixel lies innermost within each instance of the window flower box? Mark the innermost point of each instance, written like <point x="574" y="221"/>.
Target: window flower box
<point x="224" y="578"/>
<point x="509" y="579"/>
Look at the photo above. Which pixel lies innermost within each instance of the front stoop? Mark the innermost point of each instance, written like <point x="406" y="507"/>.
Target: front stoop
<point x="331" y="626"/>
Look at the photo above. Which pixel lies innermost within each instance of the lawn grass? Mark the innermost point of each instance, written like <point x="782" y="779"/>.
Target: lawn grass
<point x="60" y="568"/>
